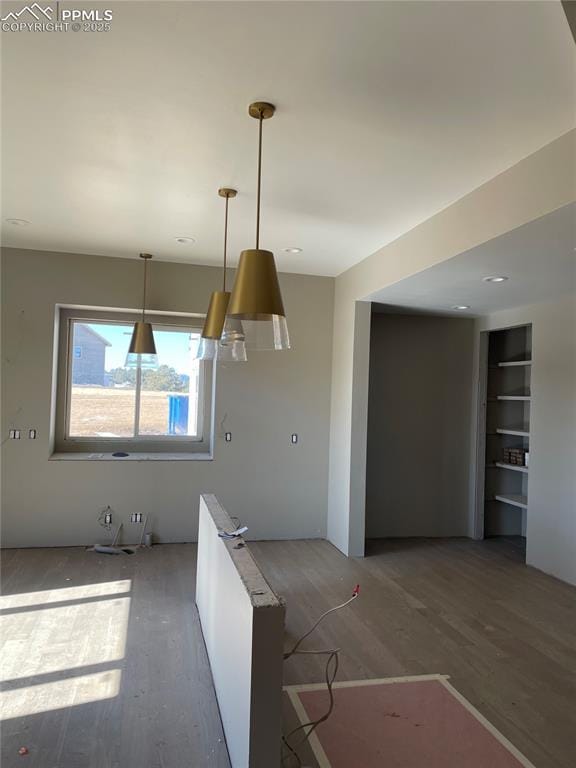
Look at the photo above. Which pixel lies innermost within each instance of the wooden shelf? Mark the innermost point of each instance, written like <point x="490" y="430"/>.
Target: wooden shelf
<point x="513" y="467"/>
<point x="514" y="499"/>
<point x="520" y="431"/>
<point x="506" y="394"/>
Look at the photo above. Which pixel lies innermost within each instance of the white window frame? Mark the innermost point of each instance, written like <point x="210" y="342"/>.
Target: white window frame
<point x="140" y="444"/>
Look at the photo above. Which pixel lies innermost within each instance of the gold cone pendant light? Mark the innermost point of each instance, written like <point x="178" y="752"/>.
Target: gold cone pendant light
<point x="219" y="341"/>
<point x="142" y="350"/>
<point x="256" y="300"/>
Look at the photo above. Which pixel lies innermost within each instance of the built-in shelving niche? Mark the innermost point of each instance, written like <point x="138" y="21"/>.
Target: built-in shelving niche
<point x="508" y="397"/>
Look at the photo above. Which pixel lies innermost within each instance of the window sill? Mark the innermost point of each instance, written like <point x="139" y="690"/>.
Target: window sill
<point x="93" y="456"/>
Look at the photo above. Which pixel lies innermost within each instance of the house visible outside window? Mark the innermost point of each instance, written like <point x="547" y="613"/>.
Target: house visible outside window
<point x="102" y="406"/>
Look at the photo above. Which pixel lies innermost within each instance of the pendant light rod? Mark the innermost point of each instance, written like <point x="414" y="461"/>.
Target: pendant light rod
<point x="142" y="350"/>
<point x="259" y="182"/>
<point x="146" y="257"/>
<point x="227" y="193"/>
<point x="225" y="245"/>
<point x="260" y="110"/>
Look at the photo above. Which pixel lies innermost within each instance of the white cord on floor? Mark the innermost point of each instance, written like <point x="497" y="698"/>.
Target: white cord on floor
<point x="332" y="654"/>
<point x="326" y="613"/>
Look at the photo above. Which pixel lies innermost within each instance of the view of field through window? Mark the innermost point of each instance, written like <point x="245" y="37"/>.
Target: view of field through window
<point x="104" y="394"/>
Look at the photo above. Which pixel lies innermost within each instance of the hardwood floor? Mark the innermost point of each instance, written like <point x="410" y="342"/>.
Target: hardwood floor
<point x="106" y="667"/>
<point x="131" y="619"/>
<point x="505" y="633"/>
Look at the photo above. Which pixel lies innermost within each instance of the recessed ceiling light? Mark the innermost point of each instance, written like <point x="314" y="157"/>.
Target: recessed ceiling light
<point x="18" y="222"/>
<point x="185" y="240"/>
<point x="461" y="306"/>
<point x="495" y="279"/>
<point x="292" y="250"/>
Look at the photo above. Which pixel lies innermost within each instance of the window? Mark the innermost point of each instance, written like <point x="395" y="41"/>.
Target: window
<point x="104" y="407"/>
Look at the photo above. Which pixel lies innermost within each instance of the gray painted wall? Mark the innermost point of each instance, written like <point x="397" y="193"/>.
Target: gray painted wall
<point x="551" y="516"/>
<point x="419" y="426"/>
<point x="532" y="188"/>
<point x="279" y="490"/>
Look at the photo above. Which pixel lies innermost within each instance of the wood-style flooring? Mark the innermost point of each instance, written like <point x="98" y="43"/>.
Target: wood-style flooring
<point x="105" y="667"/>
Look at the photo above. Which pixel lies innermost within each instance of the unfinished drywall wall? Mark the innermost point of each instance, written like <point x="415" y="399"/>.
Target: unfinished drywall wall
<point x="278" y="489"/>
<point x="235" y="600"/>
<point x="551" y="515"/>
<point x="419" y="425"/>
<point x="532" y="188"/>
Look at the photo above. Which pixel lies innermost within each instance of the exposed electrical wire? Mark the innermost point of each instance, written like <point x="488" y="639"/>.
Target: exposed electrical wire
<point x="355" y="594"/>
<point x="293" y="752"/>
<point x="329" y="675"/>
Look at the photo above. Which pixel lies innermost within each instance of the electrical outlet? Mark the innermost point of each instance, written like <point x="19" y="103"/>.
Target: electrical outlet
<point x="228" y="436"/>
<point x="14" y="434"/>
<point x="294" y="439"/>
<point x="108" y="518"/>
<point x="32" y="434"/>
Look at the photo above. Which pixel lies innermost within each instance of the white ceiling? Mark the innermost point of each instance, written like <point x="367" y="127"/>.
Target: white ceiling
<point x="539" y="259"/>
<point x="116" y="142"/>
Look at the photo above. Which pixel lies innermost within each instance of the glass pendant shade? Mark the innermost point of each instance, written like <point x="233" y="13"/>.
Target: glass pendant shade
<point x="230" y="348"/>
<point x="233" y="331"/>
<point x="144" y="362"/>
<point x="257" y="302"/>
<point x="206" y="349"/>
<point x="232" y="345"/>
<point x="234" y="352"/>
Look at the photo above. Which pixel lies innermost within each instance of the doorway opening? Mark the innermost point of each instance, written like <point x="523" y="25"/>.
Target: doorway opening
<point x="420" y="414"/>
